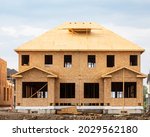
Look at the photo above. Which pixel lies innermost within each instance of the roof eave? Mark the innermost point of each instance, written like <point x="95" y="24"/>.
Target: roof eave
<point x="126" y="50"/>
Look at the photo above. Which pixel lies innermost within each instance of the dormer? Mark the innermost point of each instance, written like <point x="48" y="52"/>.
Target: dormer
<point x="81" y="27"/>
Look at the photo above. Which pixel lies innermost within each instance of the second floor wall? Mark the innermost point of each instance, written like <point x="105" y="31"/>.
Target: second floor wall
<point x="88" y="64"/>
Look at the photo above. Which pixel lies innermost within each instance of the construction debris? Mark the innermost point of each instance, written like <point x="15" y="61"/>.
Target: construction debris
<point x="89" y="116"/>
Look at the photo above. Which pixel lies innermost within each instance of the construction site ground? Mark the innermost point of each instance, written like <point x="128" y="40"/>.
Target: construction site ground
<point x="88" y="116"/>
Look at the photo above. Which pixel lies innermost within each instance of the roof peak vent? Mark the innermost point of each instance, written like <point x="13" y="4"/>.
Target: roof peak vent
<point x="80" y="30"/>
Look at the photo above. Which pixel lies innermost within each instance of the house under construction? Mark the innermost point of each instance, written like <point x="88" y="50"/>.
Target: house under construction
<point x="79" y="64"/>
<point x="6" y="88"/>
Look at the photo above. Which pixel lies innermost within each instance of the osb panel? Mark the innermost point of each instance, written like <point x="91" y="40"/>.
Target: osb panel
<point x="18" y="90"/>
<point x="125" y="75"/>
<point x="35" y="102"/>
<point x="79" y="91"/>
<point x="79" y="73"/>
<point x="100" y="39"/>
<point x="32" y="101"/>
<point x="4" y="84"/>
<point x="79" y="62"/>
<point x="125" y="102"/>
<point x="34" y="75"/>
<point x="122" y="101"/>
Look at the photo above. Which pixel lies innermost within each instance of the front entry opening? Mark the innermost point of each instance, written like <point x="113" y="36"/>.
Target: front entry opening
<point x="34" y="90"/>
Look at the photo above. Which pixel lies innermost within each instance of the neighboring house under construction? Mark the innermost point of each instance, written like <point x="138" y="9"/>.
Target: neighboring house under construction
<point x="79" y="64"/>
<point x="6" y="88"/>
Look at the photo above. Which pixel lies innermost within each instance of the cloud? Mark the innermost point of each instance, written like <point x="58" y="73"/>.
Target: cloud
<point x="1" y="43"/>
<point x="137" y="35"/>
<point x="19" y="31"/>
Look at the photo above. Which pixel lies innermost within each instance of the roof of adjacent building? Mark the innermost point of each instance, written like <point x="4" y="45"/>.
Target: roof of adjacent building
<point x="2" y="61"/>
<point x="79" y="36"/>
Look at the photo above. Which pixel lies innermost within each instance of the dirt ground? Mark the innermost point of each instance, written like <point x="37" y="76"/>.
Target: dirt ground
<point x="90" y="116"/>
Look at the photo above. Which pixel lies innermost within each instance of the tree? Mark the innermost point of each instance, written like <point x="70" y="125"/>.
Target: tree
<point x="145" y="91"/>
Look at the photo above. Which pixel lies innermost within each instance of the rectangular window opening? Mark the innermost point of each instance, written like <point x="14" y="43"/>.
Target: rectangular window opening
<point x="4" y="94"/>
<point x="110" y="60"/>
<point x="48" y="59"/>
<point x="91" y="90"/>
<point x="133" y="60"/>
<point x="34" y="90"/>
<point x="117" y="89"/>
<point x="67" y="90"/>
<point x="91" y="61"/>
<point x="130" y="90"/>
<point x="7" y="94"/>
<point x="25" y="60"/>
<point x="67" y="61"/>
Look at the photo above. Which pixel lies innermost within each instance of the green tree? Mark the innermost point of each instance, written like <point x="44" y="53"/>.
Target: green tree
<point x="145" y="91"/>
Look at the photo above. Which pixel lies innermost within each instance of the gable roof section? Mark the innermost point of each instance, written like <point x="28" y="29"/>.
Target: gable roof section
<point x="63" y="39"/>
<point x="50" y="74"/>
<point x="140" y="75"/>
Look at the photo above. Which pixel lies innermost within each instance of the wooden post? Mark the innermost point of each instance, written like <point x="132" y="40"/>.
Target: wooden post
<point x="123" y="89"/>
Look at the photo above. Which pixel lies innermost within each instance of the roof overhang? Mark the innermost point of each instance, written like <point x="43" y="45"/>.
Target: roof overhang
<point x="76" y="50"/>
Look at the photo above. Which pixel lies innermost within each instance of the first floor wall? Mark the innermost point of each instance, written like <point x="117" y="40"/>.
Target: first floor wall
<point x="136" y="101"/>
<point x="53" y="98"/>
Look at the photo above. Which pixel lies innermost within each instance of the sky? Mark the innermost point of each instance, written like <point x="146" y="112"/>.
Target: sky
<point x="22" y="20"/>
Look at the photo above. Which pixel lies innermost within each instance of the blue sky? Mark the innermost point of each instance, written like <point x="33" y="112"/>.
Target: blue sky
<point x="22" y="20"/>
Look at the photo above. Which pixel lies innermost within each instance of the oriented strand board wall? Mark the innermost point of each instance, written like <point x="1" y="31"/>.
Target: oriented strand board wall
<point x="35" y="75"/>
<point x="79" y="73"/>
<point x="4" y="84"/>
<point x="3" y="65"/>
<point x="128" y="77"/>
<point x="79" y="63"/>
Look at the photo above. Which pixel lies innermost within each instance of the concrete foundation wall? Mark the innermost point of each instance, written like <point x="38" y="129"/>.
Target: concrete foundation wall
<point x="83" y="109"/>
